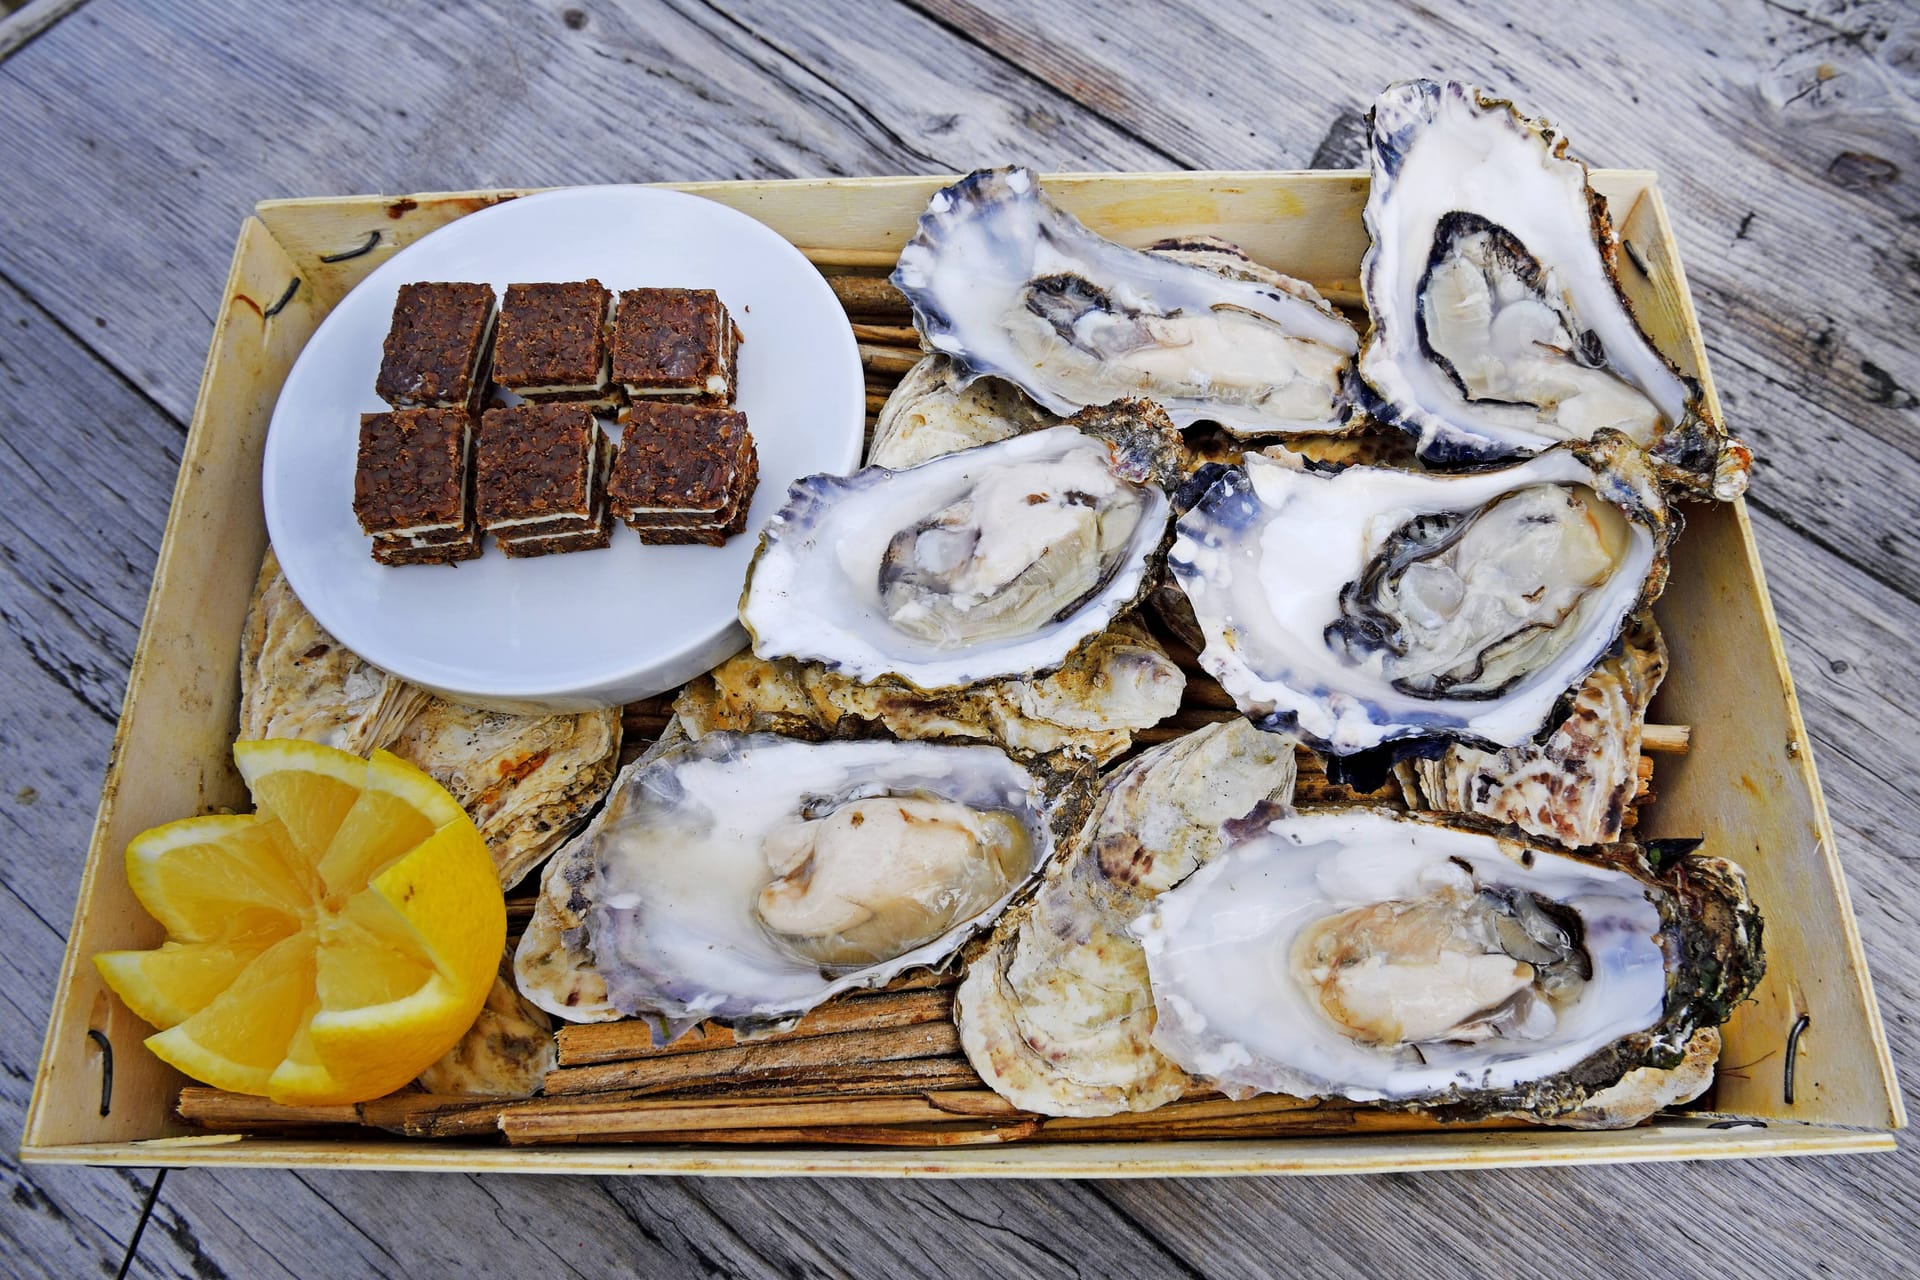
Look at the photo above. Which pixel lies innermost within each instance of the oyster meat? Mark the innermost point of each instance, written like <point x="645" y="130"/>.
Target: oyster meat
<point x="1576" y="784"/>
<point x="1056" y="1014"/>
<point x="933" y="411"/>
<point x="1118" y="682"/>
<point x="1369" y="955"/>
<point x="749" y="877"/>
<point x="1007" y="284"/>
<point x="1373" y="605"/>
<point x="1499" y="324"/>
<point x="996" y="561"/>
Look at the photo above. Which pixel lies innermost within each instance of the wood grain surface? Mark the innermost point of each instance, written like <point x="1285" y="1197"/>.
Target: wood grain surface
<point x="134" y="138"/>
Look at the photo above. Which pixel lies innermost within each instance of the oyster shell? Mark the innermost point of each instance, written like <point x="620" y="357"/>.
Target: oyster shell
<point x="933" y="412"/>
<point x="1056" y="1014"/>
<point x="1371" y="605"/>
<point x="1575" y="785"/>
<point x="505" y="1054"/>
<point x="1369" y="955"/>
<point x="1499" y="324"/>
<point x="1118" y="682"/>
<point x="297" y="681"/>
<point x="748" y="878"/>
<point x="1007" y="284"/>
<point x="526" y="781"/>
<point x="996" y="561"/>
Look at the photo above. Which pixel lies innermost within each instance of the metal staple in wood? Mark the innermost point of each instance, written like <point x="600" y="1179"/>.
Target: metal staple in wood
<point x="347" y="255"/>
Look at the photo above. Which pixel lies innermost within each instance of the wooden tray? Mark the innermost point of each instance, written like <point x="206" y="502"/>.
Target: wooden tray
<point x="1806" y="1067"/>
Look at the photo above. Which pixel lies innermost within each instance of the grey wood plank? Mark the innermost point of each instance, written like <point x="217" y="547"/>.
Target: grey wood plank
<point x="413" y="96"/>
<point x="73" y="565"/>
<point x="21" y="23"/>
<point x="247" y="1223"/>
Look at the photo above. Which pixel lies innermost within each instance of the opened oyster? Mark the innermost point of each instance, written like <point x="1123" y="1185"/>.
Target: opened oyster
<point x="995" y="561"/>
<point x="1577" y="783"/>
<point x="1499" y="324"/>
<point x="935" y="411"/>
<point x="749" y="877"/>
<point x="1368" y="955"/>
<point x="1007" y="284"/>
<point x="1118" y="682"/>
<point x="1373" y="605"/>
<point x="1056" y="1014"/>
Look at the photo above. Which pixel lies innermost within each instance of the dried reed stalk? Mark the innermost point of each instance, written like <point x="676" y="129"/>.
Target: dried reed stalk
<point x="747" y="1061"/>
<point x="572" y="1120"/>
<point x="881" y="260"/>
<point x="1674" y="738"/>
<point x="869" y="296"/>
<point x="616" y="1041"/>
<point x="887" y="335"/>
<point x="885" y="359"/>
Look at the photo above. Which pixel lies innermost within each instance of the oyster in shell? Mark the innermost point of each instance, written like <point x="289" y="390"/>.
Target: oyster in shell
<point x="748" y="878"/>
<point x="1499" y="324"/>
<point x="526" y="781"/>
<point x="997" y="561"/>
<point x="1372" y="605"/>
<point x="1369" y="955"/>
<point x="1056" y="1014"/>
<point x="1118" y="682"/>
<point x="1007" y="284"/>
<point x="1576" y="784"/>
<point x="933" y="411"/>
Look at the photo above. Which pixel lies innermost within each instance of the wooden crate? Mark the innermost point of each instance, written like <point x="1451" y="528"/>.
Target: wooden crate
<point x="1748" y="783"/>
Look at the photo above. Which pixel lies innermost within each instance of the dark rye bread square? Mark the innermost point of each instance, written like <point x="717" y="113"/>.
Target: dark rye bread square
<point x="675" y="344"/>
<point x="724" y="525"/>
<point x="555" y="335"/>
<point x="679" y="460"/>
<point x="436" y="349"/>
<point x="537" y="463"/>
<point x="411" y="471"/>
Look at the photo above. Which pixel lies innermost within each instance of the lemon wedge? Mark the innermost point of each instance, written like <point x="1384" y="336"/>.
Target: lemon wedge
<point x="327" y="947"/>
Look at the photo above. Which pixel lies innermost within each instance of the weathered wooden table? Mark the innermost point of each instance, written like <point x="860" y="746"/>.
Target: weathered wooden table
<point x="133" y="138"/>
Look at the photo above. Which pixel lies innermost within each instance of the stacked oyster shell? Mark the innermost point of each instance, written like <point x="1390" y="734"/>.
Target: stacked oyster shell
<point x="1431" y="554"/>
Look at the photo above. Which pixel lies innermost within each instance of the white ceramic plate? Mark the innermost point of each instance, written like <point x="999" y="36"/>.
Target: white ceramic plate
<point x="589" y="628"/>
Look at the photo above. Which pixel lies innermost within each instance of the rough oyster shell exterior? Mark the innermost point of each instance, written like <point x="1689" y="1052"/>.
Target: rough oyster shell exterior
<point x="505" y="1054"/>
<point x="1119" y="682"/>
<point x="1576" y="783"/>
<point x="1055" y="1013"/>
<point x="933" y="411"/>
